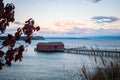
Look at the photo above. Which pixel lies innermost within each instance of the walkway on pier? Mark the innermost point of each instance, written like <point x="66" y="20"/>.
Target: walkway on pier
<point x="105" y="53"/>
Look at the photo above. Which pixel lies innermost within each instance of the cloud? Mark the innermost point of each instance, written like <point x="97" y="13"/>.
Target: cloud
<point x="108" y="32"/>
<point x="17" y="22"/>
<point x="104" y="19"/>
<point x="115" y="25"/>
<point x="93" y="32"/>
<point x="95" y="1"/>
<point x="78" y="31"/>
<point x="67" y="23"/>
<point x="72" y="28"/>
<point x="50" y="33"/>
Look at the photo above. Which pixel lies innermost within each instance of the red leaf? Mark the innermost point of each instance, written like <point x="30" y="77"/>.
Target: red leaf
<point x="38" y="28"/>
<point x="1" y="53"/>
<point x="18" y="34"/>
<point x="10" y="54"/>
<point x="8" y="62"/>
<point x="1" y="64"/>
<point x="5" y="43"/>
<point x="28" y="40"/>
<point x="21" y="49"/>
<point x="9" y="36"/>
<point x="18" y="57"/>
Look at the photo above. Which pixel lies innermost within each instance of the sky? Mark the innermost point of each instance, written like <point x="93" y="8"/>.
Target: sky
<point x="76" y="18"/>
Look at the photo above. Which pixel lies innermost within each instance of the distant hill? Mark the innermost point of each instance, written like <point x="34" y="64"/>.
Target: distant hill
<point x="66" y="38"/>
<point x="23" y="37"/>
<point x="88" y="38"/>
<point x="106" y="37"/>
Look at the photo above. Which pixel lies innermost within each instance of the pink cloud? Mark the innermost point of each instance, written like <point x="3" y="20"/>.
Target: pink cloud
<point x="67" y="23"/>
<point x="81" y="32"/>
<point x="69" y="28"/>
<point x="115" y="25"/>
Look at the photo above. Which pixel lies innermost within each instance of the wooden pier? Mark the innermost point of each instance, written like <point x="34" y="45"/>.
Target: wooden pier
<point x="105" y="53"/>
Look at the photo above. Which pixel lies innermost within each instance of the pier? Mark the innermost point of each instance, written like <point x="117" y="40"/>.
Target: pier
<point x="105" y="53"/>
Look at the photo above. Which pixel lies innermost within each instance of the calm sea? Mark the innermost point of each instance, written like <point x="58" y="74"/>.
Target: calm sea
<point x="57" y="65"/>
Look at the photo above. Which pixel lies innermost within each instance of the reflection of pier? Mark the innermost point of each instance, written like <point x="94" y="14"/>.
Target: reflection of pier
<point x="106" y="53"/>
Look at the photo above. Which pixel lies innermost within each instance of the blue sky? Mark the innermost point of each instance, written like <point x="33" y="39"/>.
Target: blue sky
<point x="69" y="17"/>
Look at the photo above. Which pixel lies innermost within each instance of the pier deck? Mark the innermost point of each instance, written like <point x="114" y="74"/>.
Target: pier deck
<point x="105" y="53"/>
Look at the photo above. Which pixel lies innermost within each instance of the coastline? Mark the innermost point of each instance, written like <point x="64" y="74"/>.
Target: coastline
<point x="23" y="37"/>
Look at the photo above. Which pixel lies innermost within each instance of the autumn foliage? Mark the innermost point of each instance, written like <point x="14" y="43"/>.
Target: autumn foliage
<point x="13" y="53"/>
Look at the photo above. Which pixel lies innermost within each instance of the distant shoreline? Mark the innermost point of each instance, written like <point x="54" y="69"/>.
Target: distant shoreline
<point x="64" y="38"/>
<point x="23" y="37"/>
<point x="82" y="38"/>
<point x="88" y="38"/>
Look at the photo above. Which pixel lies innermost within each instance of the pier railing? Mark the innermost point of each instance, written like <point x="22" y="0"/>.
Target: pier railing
<point x="105" y="53"/>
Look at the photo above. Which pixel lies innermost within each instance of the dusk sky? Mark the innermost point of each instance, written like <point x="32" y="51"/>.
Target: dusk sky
<point x="69" y="17"/>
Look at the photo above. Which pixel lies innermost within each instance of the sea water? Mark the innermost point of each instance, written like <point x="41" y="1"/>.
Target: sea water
<point x="57" y="65"/>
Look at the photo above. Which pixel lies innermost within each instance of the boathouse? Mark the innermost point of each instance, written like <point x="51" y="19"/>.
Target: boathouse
<point x="50" y="46"/>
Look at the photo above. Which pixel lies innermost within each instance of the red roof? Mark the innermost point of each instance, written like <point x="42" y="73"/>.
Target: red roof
<point x="50" y="43"/>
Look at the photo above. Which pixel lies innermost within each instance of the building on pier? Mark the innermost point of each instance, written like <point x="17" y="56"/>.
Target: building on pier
<point x="50" y="46"/>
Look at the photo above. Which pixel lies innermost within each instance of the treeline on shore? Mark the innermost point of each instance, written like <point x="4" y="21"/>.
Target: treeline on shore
<point x="23" y="37"/>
